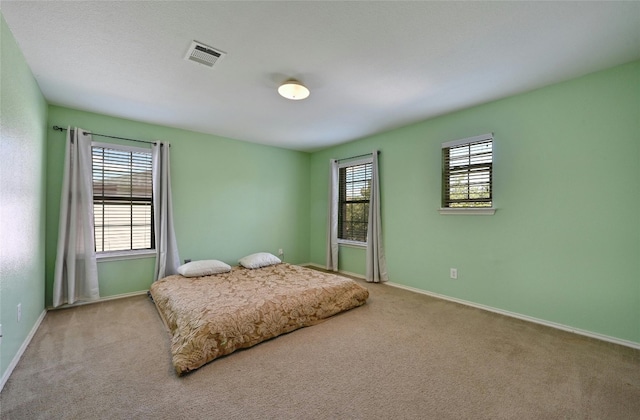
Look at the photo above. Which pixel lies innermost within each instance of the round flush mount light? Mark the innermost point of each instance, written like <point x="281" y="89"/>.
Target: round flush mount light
<point x="294" y="90"/>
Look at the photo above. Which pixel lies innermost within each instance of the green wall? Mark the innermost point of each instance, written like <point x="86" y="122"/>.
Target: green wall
<point x="564" y="245"/>
<point x="23" y="115"/>
<point x="231" y="198"/>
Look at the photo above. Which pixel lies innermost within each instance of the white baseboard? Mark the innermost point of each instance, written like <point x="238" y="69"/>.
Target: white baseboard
<point x="586" y="333"/>
<point x="348" y="273"/>
<point x="310" y="264"/>
<point x="23" y="347"/>
<point x="626" y="343"/>
<point x="104" y="299"/>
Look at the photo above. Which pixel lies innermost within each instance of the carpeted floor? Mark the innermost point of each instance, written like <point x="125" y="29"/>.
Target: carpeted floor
<point x="403" y="355"/>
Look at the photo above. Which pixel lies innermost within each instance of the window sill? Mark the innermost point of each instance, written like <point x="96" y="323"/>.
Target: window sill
<point x="482" y="211"/>
<point x="125" y="255"/>
<point x="354" y="244"/>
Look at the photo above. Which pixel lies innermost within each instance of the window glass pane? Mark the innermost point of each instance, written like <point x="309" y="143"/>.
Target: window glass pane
<point x="122" y="195"/>
<point x="353" y="204"/>
<point x="467" y="172"/>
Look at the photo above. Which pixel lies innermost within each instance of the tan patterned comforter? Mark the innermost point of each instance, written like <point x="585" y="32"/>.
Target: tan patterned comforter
<point x="212" y="316"/>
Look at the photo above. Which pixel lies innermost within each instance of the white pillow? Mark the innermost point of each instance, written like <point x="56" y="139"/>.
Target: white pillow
<point x="203" y="268"/>
<point x="261" y="259"/>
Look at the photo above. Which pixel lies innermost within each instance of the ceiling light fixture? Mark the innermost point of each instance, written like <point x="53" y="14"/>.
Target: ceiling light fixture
<point x="294" y="90"/>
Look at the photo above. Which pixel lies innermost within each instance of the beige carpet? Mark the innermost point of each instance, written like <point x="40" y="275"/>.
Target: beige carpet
<point x="402" y="355"/>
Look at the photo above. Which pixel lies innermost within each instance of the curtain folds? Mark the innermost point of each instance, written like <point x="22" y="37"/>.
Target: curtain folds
<point x="167" y="256"/>
<point x="332" y="228"/>
<point x="376" y="271"/>
<point x="76" y="269"/>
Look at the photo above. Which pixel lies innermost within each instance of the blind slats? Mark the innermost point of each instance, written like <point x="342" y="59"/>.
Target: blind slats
<point x="354" y="188"/>
<point x="467" y="171"/>
<point x="122" y="198"/>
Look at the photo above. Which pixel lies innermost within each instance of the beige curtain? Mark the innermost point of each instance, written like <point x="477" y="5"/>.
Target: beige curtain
<point x="167" y="256"/>
<point x="76" y="271"/>
<point x="375" y="261"/>
<point x="332" y="228"/>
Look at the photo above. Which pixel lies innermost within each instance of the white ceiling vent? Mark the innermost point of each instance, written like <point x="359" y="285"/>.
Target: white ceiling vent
<point x="204" y="54"/>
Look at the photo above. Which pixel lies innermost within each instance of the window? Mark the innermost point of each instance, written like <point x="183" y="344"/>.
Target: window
<point x="467" y="168"/>
<point x="354" y="189"/>
<point x="122" y="198"/>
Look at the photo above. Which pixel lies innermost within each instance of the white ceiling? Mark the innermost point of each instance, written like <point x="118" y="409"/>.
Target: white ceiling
<point x="370" y="66"/>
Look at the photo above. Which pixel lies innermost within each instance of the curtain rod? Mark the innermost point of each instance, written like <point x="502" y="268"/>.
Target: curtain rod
<point x="354" y="157"/>
<point x="55" y="127"/>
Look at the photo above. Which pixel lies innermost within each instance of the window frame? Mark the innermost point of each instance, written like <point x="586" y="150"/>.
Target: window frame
<point x="479" y="210"/>
<point x="354" y="162"/>
<point x="124" y="254"/>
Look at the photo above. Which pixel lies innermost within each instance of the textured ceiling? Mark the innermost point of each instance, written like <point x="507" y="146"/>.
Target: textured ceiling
<point x="371" y="66"/>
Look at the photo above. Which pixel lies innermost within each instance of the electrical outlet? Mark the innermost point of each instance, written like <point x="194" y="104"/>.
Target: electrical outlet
<point x="19" y="311"/>
<point x="453" y="273"/>
<point x="280" y="251"/>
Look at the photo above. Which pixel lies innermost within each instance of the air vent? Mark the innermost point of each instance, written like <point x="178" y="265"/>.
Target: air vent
<point x="204" y="54"/>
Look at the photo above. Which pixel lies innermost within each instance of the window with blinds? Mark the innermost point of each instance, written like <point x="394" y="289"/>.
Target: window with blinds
<point x="354" y="186"/>
<point x="467" y="168"/>
<point x="122" y="198"/>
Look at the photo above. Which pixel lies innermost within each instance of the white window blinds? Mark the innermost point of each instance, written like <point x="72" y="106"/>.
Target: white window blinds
<point x="122" y="198"/>
<point x="467" y="170"/>
<point x="354" y="188"/>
